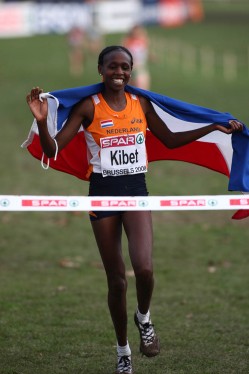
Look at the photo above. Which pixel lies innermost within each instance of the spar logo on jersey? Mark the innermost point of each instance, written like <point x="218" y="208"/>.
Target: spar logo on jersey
<point x="140" y="138"/>
<point x="122" y="141"/>
<point x="118" y="141"/>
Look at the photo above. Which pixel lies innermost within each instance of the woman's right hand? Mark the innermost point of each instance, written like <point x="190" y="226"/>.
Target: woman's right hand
<point x="38" y="108"/>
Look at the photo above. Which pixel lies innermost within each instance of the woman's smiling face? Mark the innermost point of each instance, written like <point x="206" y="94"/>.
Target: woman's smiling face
<point x="116" y="69"/>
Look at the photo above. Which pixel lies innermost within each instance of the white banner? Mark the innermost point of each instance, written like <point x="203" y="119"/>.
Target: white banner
<point x="122" y="203"/>
<point x="118" y="16"/>
<point x="15" y="20"/>
<point x="108" y="16"/>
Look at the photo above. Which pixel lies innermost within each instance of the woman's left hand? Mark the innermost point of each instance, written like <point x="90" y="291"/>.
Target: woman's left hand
<point x="234" y="126"/>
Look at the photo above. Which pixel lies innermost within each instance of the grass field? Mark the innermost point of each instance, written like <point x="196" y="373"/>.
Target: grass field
<point x="53" y="313"/>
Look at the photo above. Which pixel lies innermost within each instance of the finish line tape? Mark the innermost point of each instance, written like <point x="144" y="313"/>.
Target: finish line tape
<point x="121" y="203"/>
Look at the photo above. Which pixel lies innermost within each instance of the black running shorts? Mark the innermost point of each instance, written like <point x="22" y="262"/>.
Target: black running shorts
<point x="125" y="185"/>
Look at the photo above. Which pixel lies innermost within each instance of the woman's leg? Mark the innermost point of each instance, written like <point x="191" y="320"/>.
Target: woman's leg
<point x="108" y="234"/>
<point x="138" y="228"/>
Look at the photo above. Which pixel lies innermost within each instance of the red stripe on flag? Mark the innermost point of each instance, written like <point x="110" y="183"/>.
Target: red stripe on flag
<point x="199" y="153"/>
<point x="72" y="159"/>
<point x="241" y="214"/>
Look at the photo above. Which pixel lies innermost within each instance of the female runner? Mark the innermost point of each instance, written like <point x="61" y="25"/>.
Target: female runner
<point x="115" y="124"/>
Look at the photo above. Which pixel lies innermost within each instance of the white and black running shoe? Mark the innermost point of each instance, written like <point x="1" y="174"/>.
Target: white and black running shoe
<point x="124" y="365"/>
<point x="149" y="342"/>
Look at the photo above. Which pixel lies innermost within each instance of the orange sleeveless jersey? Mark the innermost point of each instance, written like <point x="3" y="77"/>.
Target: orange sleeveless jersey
<point x="112" y="129"/>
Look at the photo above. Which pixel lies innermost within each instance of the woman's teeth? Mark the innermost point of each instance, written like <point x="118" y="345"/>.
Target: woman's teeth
<point x="118" y="81"/>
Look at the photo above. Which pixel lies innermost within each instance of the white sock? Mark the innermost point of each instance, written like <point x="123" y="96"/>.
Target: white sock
<point x="143" y="318"/>
<point x="124" y="350"/>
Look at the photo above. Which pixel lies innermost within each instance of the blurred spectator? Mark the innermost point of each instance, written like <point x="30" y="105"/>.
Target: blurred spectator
<point x="42" y="1"/>
<point x="137" y="42"/>
<point x="94" y="34"/>
<point x="76" y="41"/>
<point x="45" y="1"/>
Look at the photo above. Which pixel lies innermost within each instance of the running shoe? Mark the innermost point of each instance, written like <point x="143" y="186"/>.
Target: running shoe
<point x="124" y="365"/>
<point x="149" y="342"/>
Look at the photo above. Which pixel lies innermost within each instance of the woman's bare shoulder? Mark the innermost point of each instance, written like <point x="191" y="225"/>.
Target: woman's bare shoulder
<point x="84" y="107"/>
<point x="145" y="104"/>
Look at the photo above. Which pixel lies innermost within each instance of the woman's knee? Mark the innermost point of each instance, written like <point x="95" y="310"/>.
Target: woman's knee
<point x="117" y="285"/>
<point x="145" y="276"/>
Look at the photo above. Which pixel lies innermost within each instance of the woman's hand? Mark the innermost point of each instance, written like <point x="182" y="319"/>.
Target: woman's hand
<point x="234" y="126"/>
<point x="38" y="108"/>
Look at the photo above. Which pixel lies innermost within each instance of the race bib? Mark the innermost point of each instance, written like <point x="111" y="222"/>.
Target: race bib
<point x="123" y="155"/>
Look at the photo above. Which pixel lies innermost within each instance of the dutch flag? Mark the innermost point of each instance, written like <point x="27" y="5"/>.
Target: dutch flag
<point x="226" y="154"/>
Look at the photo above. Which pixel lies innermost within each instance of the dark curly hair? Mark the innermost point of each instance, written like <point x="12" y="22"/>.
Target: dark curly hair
<point x="112" y="48"/>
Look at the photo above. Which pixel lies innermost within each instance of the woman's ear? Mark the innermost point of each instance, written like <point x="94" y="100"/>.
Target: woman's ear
<point x="101" y="75"/>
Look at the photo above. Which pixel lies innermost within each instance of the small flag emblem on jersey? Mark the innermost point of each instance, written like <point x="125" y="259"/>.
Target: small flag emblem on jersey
<point x="107" y="123"/>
